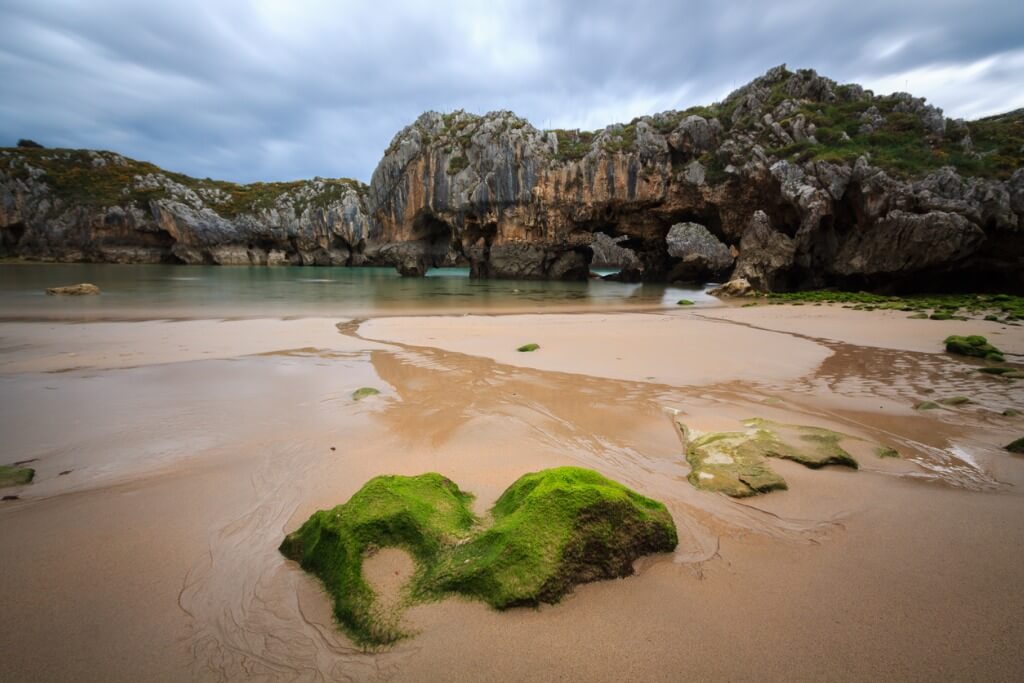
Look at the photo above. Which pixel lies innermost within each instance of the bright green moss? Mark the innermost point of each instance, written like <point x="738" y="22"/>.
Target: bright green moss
<point x="11" y="475"/>
<point x="551" y="530"/>
<point x="973" y="345"/>
<point x="684" y="302"/>
<point x="364" y="392"/>
<point x="526" y="348"/>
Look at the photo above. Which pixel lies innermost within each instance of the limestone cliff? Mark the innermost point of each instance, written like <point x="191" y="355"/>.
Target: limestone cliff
<point x="793" y="181"/>
<point x="74" y="205"/>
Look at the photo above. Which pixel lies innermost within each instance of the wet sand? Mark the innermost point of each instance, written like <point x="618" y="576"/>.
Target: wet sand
<point x="193" y="447"/>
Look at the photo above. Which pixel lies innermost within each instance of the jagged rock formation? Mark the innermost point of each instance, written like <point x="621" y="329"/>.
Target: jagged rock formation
<point x="804" y="182"/>
<point x="73" y="205"/>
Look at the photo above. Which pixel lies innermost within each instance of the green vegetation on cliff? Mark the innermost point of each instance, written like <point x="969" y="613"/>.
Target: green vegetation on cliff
<point x="94" y="179"/>
<point x="551" y="530"/>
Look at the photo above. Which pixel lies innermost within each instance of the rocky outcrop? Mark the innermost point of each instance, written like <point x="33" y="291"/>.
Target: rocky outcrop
<point x="83" y="289"/>
<point x="801" y="181"/>
<point x="69" y="205"/>
<point x="701" y="255"/>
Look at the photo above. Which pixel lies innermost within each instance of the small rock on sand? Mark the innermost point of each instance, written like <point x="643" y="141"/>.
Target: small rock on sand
<point x="74" y="290"/>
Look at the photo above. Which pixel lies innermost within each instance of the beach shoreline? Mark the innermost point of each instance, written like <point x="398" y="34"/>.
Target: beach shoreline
<point x="172" y="457"/>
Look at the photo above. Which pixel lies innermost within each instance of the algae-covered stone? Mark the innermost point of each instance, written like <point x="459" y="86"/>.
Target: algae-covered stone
<point x="955" y="401"/>
<point x="422" y="515"/>
<point x="684" y="302"/>
<point x="526" y="348"/>
<point x="735" y="463"/>
<point x="886" y="452"/>
<point x="732" y="463"/>
<point x="83" y="289"/>
<point x="364" y="392"/>
<point x="1011" y="412"/>
<point x="975" y="346"/>
<point x="554" y="529"/>
<point x="1016" y="446"/>
<point x="551" y="530"/>
<point x="927" y="405"/>
<point x="12" y="475"/>
<point x="995" y="370"/>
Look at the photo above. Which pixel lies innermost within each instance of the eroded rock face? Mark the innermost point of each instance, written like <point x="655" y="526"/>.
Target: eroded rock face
<point x="770" y="171"/>
<point x="701" y="255"/>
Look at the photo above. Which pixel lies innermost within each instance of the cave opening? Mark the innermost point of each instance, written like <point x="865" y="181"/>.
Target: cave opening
<point x="10" y="237"/>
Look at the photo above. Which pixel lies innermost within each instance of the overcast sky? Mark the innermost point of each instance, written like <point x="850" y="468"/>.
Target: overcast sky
<point x="278" y="90"/>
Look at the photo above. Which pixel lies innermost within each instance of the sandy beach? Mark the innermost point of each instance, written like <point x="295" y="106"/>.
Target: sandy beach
<point x="171" y="458"/>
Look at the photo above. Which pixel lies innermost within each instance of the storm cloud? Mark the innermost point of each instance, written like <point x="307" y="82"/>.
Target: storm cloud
<point x="277" y="90"/>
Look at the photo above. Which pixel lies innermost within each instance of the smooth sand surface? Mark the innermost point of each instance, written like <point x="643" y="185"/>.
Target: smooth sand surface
<point x="146" y="549"/>
<point x="880" y="329"/>
<point x="59" y="347"/>
<point x="631" y="346"/>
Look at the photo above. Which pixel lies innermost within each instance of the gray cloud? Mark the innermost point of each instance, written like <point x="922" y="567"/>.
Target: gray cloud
<point x="274" y="90"/>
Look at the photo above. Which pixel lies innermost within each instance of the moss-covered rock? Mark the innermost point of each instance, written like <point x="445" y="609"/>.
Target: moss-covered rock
<point x="684" y="302"/>
<point x="995" y="370"/>
<point x="735" y="463"/>
<point x="12" y="475"/>
<point x="975" y="346"/>
<point x="886" y="452"/>
<point x="1016" y="446"/>
<point x="364" y="392"/>
<point x="526" y="348"/>
<point x="421" y="514"/>
<point x="551" y="530"/>
<point x="955" y="401"/>
<point x="927" y="405"/>
<point x="554" y="529"/>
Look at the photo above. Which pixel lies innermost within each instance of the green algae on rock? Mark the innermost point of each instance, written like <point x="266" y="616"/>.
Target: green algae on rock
<point x="554" y="529"/>
<point x="955" y="401"/>
<point x="526" y="348"/>
<point x="684" y="302"/>
<point x="1016" y="446"/>
<point x="551" y="530"/>
<point x="12" y="475"/>
<point x="420" y="514"/>
<point x="974" y="345"/>
<point x="735" y="463"/>
<point x="927" y="405"/>
<point x="886" y="452"/>
<point x="364" y="392"/>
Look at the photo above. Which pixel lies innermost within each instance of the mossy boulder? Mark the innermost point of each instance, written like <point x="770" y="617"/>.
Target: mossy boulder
<point x="973" y="345"/>
<point x="83" y="289"/>
<point x="551" y="530"/>
<point x="364" y="392"/>
<point x="12" y="475"/>
<point x="684" y="302"/>
<point x="422" y="515"/>
<point x="526" y="348"/>
<point x="735" y="463"/>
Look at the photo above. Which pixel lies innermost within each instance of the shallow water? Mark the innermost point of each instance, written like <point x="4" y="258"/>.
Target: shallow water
<point x="141" y="292"/>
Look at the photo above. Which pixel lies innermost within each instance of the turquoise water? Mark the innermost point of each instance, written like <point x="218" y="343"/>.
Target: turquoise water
<point x="169" y="291"/>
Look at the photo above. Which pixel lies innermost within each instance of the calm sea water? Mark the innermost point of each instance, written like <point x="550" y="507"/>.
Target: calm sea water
<point x="159" y="291"/>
